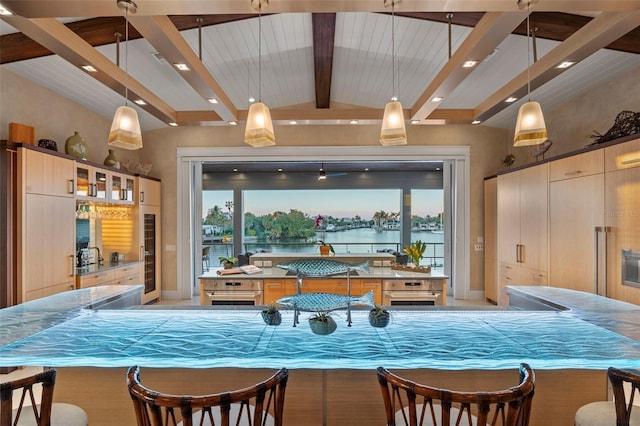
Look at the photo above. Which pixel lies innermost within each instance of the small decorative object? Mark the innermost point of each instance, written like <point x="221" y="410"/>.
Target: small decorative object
<point x="322" y="324"/>
<point x="509" y="160"/>
<point x="626" y="123"/>
<point x="227" y="262"/>
<point x="112" y="160"/>
<point x="379" y="317"/>
<point x="142" y="168"/>
<point x="48" y="144"/>
<point x="271" y="315"/>
<point x="325" y="248"/>
<point x="538" y="150"/>
<point x="76" y="146"/>
<point x="415" y="251"/>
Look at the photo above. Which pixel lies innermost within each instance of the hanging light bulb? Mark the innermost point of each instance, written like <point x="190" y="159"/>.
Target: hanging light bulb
<point x="125" y="129"/>
<point x="259" y="130"/>
<point x="530" y="126"/>
<point x="393" y="131"/>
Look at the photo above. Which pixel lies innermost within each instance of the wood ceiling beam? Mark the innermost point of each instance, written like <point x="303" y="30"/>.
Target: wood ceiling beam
<point x="489" y="32"/>
<point x="598" y="33"/>
<point x="160" y="32"/>
<point x="69" y="46"/>
<point x="324" y="31"/>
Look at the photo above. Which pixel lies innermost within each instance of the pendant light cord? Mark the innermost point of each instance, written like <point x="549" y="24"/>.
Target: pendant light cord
<point x="393" y="51"/>
<point x="260" y="51"/>
<point x="528" y="59"/>
<point x="126" y="55"/>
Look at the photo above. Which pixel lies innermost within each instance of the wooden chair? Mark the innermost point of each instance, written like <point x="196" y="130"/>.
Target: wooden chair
<point x="258" y="405"/>
<point x="410" y="403"/>
<point x="44" y="413"/>
<point x="621" y="408"/>
<point x="205" y="258"/>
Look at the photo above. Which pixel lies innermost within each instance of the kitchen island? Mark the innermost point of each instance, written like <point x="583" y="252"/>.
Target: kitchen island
<point x="390" y="286"/>
<point x="203" y="349"/>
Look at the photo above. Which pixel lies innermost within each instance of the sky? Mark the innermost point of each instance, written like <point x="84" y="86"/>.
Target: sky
<point x="337" y="203"/>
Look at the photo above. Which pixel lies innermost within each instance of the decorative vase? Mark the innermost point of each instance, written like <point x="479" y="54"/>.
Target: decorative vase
<point x="76" y="146"/>
<point x="227" y="265"/>
<point x="112" y="160"/>
<point x="378" y="319"/>
<point x="274" y="318"/>
<point x="323" y="327"/>
<point x="325" y="250"/>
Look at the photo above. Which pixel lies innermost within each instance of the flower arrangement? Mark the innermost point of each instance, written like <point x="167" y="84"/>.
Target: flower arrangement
<point x="323" y="244"/>
<point x="415" y="251"/>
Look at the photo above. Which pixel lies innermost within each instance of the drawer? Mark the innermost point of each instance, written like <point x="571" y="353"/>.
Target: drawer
<point x="127" y="271"/>
<point x="622" y="156"/>
<point x="98" y="278"/>
<point x="588" y="163"/>
<point x="133" y="279"/>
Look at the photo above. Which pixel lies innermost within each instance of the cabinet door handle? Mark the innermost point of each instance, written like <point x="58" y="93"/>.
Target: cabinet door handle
<point x="142" y="196"/>
<point x="71" y="186"/>
<point x="518" y="253"/>
<point x="573" y="173"/>
<point x="521" y="255"/>
<point x="72" y="260"/>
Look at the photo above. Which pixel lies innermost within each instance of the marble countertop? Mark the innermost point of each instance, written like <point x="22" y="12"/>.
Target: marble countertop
<point x="374" y="272"/>
<point x="95" y="268"/>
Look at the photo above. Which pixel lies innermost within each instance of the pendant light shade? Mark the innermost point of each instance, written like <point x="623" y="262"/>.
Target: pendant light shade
<point x="530" y="127"/>
<point x="259" y="130"/>
<point x="393" y="131"/>
<point x="125" y="129"/>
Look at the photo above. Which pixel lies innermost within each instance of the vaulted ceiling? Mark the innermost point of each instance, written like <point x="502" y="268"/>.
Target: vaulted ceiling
<point x="327" y="62"/>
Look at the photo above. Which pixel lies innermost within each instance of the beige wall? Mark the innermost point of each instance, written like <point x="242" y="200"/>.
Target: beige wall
<point x="569" y="126"/>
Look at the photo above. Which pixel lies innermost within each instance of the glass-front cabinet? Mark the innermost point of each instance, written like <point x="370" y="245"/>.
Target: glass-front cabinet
<point x="122" y="188"/>
<point x="91" y="183"/>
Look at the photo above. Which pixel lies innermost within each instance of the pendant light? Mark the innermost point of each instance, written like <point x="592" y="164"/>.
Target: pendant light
<point x="530" y="126"/>
<point x="259" y="130"/>
<point x="125" y="128"/>
<point x="393" y="131"/>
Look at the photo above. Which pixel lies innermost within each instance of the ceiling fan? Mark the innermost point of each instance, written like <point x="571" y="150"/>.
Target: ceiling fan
<point x="323" y="174"/>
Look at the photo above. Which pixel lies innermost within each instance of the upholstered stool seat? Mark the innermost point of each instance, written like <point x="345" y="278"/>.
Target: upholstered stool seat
<point x="602" y="413"/>
<point x="62" y="414"/>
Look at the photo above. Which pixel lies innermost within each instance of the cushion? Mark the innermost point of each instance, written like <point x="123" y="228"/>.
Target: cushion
<point x="62" y="414"/>
<point x="602" y="413"/>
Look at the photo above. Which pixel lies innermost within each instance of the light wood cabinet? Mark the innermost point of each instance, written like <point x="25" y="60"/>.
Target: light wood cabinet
<point x="491" y="240"/>
<point x="97" y="278"/>
<point x="129" y="274"/>
<point x="368" y="284"/>
<point x="522" y="215"/>
<point x="46" y="225"/>
<point x="275" y="289"/>
<point x="577" y="211"/>
<point x="122" y="188"/>
<point x="92" y="183"/>
<point x="622" y="156"/>
<point x="149" y="192"/>
<point x="576" y="166"/>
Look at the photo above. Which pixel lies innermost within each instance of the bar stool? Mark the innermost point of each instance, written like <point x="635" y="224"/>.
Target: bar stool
<point x="44" y="413"/>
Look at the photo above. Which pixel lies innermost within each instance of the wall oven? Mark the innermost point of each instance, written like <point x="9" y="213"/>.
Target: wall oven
<point x="233" y="292"/>
<point x="631" y="268"/>
<point x="411" y="293"/>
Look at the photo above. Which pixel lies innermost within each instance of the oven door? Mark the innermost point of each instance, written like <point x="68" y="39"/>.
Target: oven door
<point x="411" y="298"/>
<point x="243" y="297"/>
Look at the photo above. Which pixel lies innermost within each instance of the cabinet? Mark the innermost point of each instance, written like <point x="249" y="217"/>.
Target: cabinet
<point x="97" y="278"/>
<point x="128" y="275"/>
<point x="46" y="225"/>
<point x="92" y="183"/>
<point x="490" y="240"/>
<point x="576" y="194"/>
<point x="276" y="288"/>
<point x="150" y="250"/>
<point x="148" y="192"/>
<point x="122" y="188"/>
<point x="522" y="215"/>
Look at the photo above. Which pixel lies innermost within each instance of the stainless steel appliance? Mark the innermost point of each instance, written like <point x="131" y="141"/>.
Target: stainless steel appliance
<point x="234" y="292"/>
<point x="631" y="268"/>
<point x="411" y="293"/>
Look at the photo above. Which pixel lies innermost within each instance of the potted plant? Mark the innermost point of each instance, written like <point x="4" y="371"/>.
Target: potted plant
<point x="271" y="315"/>
<point x="227" y="262"/>
<point x="415" y="251"/>
<point x="325" y="248"/>
<point x="378" y="316"/>
<point x="322" y="323"/>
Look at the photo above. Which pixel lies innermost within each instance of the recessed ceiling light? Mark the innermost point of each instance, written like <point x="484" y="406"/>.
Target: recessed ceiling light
<point x="140" y="102"/>
<point x="280" y="169"/>
<point x="212" y="100"/>
<point x="366" y="169"/>
<point x="353" y="122"/>
<point x="565" y="64"/>
<point x="252" y="99"/>
<point x="173" y="124"/>
<point x="233" y="123"/>
<point x="436" y="99"/>
<point x="415" y="121"/>
<point x="511" y="99"/>
<point x="476" y="122"/>
<point x="181" y="67"/>
<point x="293" y="122"/>
<point x="89" y="68"/>
<point x="235" y="170"/>
<point x="469" y="64"/>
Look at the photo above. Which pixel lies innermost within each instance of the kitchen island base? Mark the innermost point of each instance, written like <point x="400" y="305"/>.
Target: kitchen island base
<point x="338" y="397"/>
